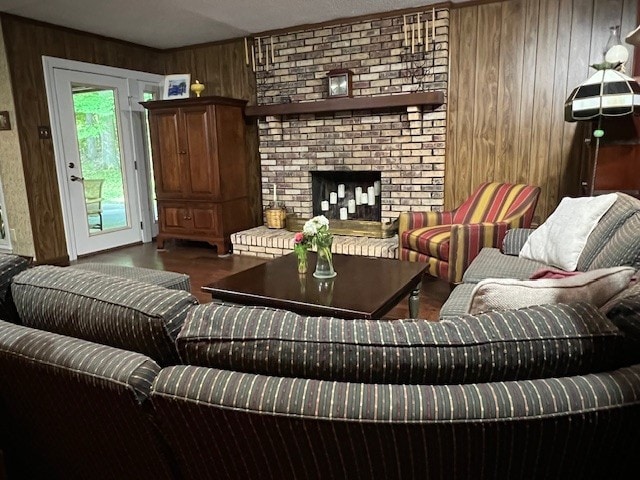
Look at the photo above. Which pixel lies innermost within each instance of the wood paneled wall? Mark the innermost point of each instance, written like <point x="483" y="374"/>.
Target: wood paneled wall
<point x="221" y="67"/>
<point x="26" y="42"/>
<point x="512" y="65"/>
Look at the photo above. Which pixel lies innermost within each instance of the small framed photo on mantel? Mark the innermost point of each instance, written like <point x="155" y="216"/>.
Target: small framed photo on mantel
<point x="176" y="86"/>
<point x="5" y="121"/>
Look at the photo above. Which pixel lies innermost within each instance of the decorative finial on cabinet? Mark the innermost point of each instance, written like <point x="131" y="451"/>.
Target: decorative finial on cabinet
<point x="197" y="88"/>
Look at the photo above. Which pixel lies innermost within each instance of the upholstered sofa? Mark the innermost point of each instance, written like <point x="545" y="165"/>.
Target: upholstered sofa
<point x="615" y="241"/>
<point x="108" y="377"/>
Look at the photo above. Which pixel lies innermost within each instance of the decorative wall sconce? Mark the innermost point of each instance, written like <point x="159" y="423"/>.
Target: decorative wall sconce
<point x="415" y="32"/>
<point x="261" y="51"/>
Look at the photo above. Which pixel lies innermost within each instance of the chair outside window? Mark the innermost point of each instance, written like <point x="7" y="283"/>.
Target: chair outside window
<point x="93" y="199"/>
<point x="449" y="241"/>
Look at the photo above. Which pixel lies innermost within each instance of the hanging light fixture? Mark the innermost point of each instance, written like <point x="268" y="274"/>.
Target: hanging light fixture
<point x="607" y="93"/>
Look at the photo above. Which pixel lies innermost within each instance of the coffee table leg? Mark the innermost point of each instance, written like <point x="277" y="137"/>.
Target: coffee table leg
<point x="414" y="301"/>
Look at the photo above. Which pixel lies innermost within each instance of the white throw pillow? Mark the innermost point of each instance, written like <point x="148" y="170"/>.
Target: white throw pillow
<point x="560" y="240"/>
<point x="595" y="287"/>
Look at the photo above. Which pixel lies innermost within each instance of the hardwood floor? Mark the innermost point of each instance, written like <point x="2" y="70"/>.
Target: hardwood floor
<point x="203" y="266"/>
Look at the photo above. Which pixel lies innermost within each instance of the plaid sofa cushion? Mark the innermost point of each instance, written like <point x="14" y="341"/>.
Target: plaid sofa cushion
<point x="104" y="309"/>
<point x="543" y="341"/>
<point x="274" y="427"/>
<point x="73" y="408"/>
<point x="10" y="266"/>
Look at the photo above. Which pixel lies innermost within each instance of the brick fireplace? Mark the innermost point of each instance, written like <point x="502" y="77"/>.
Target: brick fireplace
<point x="406" y="145"/>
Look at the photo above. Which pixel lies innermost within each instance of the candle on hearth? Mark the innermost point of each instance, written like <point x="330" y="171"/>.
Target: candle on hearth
<point x="341" y="190"/>
<point x="376" y="188"/>
<point x="333" y="198"/>
<point x="358" y="195"/>
<point x="371" y="200"/>
<point x="343" y="213"/>
<point x="275" y="195"/>
<point x="364" y="199"/>
<point x="370" y="192"/>
<point x="324" y="206"/>
<point x="351" y="206"/>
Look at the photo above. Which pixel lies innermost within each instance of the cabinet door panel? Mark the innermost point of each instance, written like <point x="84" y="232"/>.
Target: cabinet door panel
<point x="175" y="218"/>
<point x="166" y="153"/>
<point x="202" y="154"/>
<point x="205" y="218"/>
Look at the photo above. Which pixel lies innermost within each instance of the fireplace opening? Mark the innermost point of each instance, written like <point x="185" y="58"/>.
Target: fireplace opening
<point x="347" y="195"/>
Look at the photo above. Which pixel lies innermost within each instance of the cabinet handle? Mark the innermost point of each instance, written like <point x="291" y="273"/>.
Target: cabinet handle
<point x="187" y="217"/>
<point x="182" y="152"/>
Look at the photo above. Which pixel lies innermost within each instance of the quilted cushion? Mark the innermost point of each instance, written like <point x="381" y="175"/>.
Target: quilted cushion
<point x="104" y="309"/>
<point x="431" y="241"/>
<point x="537" y="342"/>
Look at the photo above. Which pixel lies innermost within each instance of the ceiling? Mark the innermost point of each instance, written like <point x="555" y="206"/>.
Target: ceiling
<point x="176" y="23"/>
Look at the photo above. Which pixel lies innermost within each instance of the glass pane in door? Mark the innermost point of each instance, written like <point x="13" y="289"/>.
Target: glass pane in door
<point x="100" y="158"/>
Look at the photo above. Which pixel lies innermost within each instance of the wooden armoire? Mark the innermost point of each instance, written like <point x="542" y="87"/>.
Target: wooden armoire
<point x="200" y="166"/>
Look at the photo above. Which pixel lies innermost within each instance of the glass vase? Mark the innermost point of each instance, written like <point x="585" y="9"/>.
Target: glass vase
<point x="301" y="255"/>
<point x="324" y="262"/>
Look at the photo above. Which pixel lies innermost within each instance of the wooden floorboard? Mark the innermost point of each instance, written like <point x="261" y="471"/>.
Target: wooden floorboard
<point x="203" y="266"/>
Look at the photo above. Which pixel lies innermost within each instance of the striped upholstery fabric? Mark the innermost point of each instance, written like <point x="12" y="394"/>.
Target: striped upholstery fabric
<point x="529" y="343"/>
<point x="105" y="309"/>
<point x="490" y="263"/>
<point x="624" y="312"/>
<point x="623" y="248"/>
<point x="172" y="280"/>
<point x="459" y="301"/>
<point x="514" y="240"/>
<point x="449" y="241"/>
<point x="10" y="266"/>
<point x="224" y="424"/>
<point x="74" y="408"/>
<point x="624" y="207"/>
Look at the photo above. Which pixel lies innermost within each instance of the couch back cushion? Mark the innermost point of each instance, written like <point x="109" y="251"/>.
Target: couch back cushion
<point x="536" y="342"/>
<point x="73" y="408"/>
<point x="104" y="309"/>
<point x="10" y="266"/>
<point x="594" y="255"/>
<point x="624" y="312"/>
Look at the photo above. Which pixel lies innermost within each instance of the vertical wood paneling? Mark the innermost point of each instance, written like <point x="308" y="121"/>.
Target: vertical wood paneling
<point x="509" y="91"/>
<point x="461" y="168"/>
<point x="486" y="98"/>
<point x="545" y="49"/>
<point x="26" y="42"/>
<point x="222" y="69"/>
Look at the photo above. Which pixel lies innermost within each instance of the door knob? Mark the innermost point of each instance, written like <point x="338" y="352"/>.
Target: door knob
<point x="71" y="164"/>
<point x="75" y="179"/>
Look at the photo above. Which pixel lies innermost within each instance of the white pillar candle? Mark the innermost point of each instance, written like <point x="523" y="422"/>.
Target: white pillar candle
<point x="266" y="53"/>
<point x="370" y="192"/>
<point x="324" y="206"/>
<point x="358" y="193"/>
<point x="259" y="51"/>
<point x="413" y="34"/>
<point x="426" y="33"/>
<point x="343" y="213"/>
<point x="419" y="25"/>
<point x="333" y="198"/>
<point x="351" y="206"/>
<point x="275" y="195"/>
<point x="341" y="190"/>
<point x="364" y="199"/>
<point x="376" y="188"/>
<point x="404" y="29"/>
<point x="371" y="200"/>
<point x="273" y="55"/>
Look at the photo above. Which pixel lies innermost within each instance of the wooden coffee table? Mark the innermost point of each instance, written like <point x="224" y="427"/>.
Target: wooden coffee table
<point x="364" y="287"/>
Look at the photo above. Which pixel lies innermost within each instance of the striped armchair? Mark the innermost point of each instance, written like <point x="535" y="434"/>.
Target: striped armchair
<point x="449" y="241"/>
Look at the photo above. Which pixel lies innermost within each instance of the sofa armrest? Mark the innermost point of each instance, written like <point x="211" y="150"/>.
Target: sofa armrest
<point x="514" y="240"/>
<point x="466" y="242"/>
<point x="413" y="220"/>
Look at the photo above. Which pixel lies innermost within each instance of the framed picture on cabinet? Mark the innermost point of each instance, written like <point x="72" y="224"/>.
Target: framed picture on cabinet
<point x="176" y="86"/>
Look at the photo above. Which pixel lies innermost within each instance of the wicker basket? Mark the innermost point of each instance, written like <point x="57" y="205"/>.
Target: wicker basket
<point x="276" y="217"/>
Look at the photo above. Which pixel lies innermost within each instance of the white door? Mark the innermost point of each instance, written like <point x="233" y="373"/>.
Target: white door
<point x="99" y="161"/>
